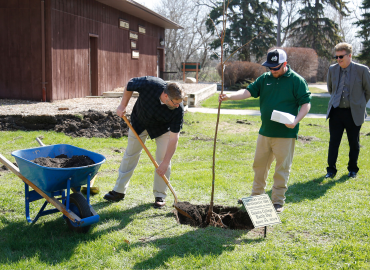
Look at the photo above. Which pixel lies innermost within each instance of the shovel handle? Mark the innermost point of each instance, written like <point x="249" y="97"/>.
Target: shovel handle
<point x="150" y="156"/>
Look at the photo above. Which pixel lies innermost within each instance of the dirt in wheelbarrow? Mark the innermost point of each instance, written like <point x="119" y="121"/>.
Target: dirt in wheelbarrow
<point x="233" y="218"/>
<point x="85" y="124"/>
<point x="62" y="161"/>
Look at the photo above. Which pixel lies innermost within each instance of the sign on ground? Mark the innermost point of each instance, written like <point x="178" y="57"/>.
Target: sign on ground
<point x="261" y="210"/>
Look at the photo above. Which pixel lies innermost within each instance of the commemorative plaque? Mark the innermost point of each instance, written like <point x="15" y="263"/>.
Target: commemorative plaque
<point x="133" y="44"/>
<point x="135" y="54"/>
<point x="124" y="24"/>
<point x="261" y="210"/>
<point x="133" y="35"/>
<point x="142" y="29"/>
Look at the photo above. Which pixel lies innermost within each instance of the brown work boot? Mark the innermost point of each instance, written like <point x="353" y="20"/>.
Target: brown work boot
<point x="114" y="196"/>
<point x="159" y="202"/>
<point x="278" y="208"/>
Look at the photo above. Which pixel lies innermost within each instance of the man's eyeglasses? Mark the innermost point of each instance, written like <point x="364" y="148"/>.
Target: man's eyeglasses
<point x="175" y="103"/>
<point x="339" y="56"/>
<point x="276" y="68"/>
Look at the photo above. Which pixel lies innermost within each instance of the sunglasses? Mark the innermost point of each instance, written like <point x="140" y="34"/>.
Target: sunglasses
<point x="175" y="103"/>
<point x="339" y="56"/>
<point x="276" y="68"/>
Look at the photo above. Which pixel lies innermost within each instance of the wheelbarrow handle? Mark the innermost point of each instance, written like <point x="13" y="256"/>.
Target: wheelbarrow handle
<point x="40" y="142"/>
<point x="150" y="156"/>
<point x="72" y="216"/>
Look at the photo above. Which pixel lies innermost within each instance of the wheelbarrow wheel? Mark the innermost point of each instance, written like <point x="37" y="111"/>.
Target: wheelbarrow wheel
<point x="78" y="205"/>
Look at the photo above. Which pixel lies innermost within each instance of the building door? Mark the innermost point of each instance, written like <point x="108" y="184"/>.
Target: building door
<point x="160" y="62"/>
<point x="93" y="65"/>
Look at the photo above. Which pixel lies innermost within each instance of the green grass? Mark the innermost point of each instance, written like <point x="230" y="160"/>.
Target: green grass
<point x="319" y="105"/>
<point x="325" y="224"/>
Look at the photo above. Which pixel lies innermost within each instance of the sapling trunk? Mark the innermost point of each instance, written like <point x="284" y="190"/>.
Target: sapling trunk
<point x="222" y="37"/>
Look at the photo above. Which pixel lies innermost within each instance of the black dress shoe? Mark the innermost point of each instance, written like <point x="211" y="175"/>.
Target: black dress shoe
<point x="278" y="208"/>
<point x="352" y="174"/>
<point x="330" y="175"/>
<point x="114" y="196"/>
<point x="159" y="202"/>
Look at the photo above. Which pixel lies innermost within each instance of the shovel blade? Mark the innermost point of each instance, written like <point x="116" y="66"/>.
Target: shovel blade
<point x="182" y="212"/>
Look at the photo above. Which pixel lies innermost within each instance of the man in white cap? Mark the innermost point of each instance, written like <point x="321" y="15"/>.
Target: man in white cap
<point x="283" y="90"/>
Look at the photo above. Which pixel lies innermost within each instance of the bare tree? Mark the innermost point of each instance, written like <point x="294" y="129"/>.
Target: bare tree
<point x="191" y="43"/>
<point x="289" y="15"/>
<point x="345" y="25"/>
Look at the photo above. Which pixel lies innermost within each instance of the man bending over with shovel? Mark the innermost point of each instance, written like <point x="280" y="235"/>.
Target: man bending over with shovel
<point x="283" y="90"/>
<point x="158" y="112"/>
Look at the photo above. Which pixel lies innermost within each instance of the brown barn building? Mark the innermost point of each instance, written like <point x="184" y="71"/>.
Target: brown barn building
<point x="62" y="49"/>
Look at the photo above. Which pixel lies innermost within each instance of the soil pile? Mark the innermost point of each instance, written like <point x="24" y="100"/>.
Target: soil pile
<point x="86" y="124"/>
<point x="62" y="161"/>
<point x="307" y="139"/>
<point x="224" y="217"/>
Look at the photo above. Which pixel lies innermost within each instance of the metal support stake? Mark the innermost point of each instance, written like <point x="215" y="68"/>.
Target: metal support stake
<point x="68" y="192"/>
<point x="264" y="235"/>
<point x="88" y="189"/>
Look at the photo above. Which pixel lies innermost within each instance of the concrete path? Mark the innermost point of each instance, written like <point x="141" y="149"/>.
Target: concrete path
<point x="242" y="112"/>
<point x="248" y="112"/>
<point x="321" y="86"/>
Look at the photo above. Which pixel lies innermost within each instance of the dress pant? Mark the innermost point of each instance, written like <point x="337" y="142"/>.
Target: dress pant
<point x="266" y="151"/>
<point x="340" y="120"/>
<point x="131" y="158"/>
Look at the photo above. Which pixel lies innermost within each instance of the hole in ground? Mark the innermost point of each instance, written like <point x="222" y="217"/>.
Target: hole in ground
<point x="226" y="217"/>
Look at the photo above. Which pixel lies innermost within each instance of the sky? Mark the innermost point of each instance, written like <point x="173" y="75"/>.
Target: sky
<point x="148" y="3"/>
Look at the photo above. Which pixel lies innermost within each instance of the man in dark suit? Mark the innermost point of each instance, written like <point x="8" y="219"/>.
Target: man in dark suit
<point x="349" y="86"/>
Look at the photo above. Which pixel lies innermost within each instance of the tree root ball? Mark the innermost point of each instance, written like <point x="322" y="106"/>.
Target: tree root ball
<point x="233" y="218"/>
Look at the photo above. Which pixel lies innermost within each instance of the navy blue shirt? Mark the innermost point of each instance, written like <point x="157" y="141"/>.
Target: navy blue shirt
<point x="148" y="113"/>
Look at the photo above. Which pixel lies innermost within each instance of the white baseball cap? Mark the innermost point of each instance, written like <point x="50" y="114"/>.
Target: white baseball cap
<point x="275" y="57"/>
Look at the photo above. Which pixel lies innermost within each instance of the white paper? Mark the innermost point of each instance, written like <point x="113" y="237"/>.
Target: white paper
<point x="282" y="117"/>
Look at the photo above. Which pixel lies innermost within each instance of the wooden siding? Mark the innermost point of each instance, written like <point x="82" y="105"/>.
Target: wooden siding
<point x="72" y="21"/>
<point x="68" y="24"/>
<point x="20" y="49"/>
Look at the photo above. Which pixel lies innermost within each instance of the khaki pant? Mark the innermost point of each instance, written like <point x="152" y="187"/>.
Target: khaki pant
<point x="131" y="158"/>
<point x="266" y="151"/>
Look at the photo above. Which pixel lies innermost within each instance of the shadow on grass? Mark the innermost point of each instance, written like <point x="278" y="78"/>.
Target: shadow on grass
<point x="312" y="189"/>
<point x="206" y="244"/>
<point x="52" y="241"/>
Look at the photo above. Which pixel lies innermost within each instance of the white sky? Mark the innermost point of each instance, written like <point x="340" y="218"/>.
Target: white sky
<point x="148" y="3"/>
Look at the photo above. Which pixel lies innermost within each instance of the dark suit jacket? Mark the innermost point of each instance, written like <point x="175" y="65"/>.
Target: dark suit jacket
<point x="359" y="91"/>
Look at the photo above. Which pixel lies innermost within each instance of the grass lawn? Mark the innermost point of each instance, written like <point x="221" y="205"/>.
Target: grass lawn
<point x="325" y="224"/>
<point x="319" y="105"/>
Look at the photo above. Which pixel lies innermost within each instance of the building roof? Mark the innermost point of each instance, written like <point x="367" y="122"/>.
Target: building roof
<point x="135" y="9"/>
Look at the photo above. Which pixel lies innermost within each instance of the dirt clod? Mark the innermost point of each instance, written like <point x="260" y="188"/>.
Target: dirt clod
<point x="196" y="138"/>
<point x="245" y="122"/>
<point x="224" y="217"/>
<point x="307" y="139"/>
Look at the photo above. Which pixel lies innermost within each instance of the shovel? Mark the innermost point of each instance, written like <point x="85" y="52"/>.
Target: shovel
<point x="93" y="190"/>
<point x="156" y="165"/>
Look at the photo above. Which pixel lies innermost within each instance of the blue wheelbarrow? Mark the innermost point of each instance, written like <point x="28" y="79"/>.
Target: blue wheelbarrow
<point x="55" y="184"/>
